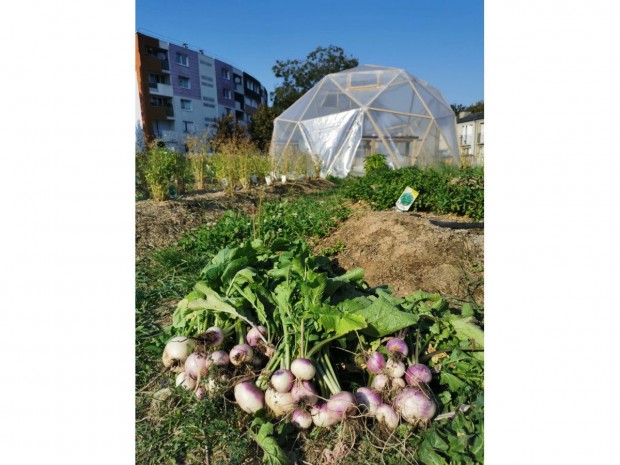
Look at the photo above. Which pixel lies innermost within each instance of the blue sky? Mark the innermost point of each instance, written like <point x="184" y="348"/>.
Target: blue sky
<point x="439" y="41"/>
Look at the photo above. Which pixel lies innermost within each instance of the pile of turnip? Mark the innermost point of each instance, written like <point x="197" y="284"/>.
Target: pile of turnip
<point x="274" y="330"/>
<point x="398" y="389"/>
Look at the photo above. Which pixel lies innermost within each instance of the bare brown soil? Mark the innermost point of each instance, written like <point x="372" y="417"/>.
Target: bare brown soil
<point x="407" y="252"/>
<point x="400" y="249"/>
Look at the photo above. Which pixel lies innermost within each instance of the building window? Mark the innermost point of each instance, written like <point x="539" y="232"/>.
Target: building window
<point x="188" y="126"/>
<point x="226" y="74"/>
<point x="209" y="105"/>
<point x="182" y="59"/>
<point x="155" y="79"/>
<point x="227" y="93"/>
<point x="186" y="104"/>
<point x="467" y="134"/>
<point x="184" y="82"/>
<point x="481" y="134"/>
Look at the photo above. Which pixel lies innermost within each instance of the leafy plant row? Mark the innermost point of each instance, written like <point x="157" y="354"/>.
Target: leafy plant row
<point x="443" y="190"/>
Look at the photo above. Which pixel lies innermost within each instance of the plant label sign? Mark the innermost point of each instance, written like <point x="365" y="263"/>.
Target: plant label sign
<point x="406" y="199"/>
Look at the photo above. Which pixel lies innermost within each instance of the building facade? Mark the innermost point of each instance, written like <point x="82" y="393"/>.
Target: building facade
<point x="183" y="91"/>
<point x="470" y="136"/>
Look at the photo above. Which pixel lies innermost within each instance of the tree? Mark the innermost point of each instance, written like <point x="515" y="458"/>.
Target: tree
<point x="261" y="127"/>
<point x="227" y="129"/>
<point x="300" y="76"/>
<point x="476" y="107"/>
<point x="457" y="108"/>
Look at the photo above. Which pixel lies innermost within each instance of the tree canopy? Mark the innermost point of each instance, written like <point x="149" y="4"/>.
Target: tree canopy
<point x="474" y="108"/>
<point x="261" y="127"/>
<point x="299" y="76"/>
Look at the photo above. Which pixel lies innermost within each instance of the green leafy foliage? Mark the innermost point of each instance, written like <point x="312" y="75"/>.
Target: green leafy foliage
<point x="309" y="216"/>
<point x="375" y="162"/>
<point x="160" y="167"/>
<point x="447" y="190"/>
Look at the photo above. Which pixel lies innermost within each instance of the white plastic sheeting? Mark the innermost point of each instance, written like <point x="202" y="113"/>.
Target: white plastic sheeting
<point x="370" y="109"/>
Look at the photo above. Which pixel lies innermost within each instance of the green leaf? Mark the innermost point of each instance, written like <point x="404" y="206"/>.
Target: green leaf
<point x="274" y="455"/>
<point x="384" y="318"/>
<point x="477" y="447"/>
<point x="467" y="310"/>
<point x="232" y="268"/>
<point x="429" y="456"/>
<point x="436" y="441"/>
<point x="349" y="322"/>
<point x="354" y="275"/>
<point x="465" y="329"/>
<point x="454" y="383"/>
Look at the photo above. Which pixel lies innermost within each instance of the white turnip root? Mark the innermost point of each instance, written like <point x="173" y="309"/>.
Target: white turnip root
<point x="375" y="363"/>
<point x="301" y="419"/>
<point x="177" y="350"/>
<point x="394" y="369"/>
<point x="249" y="397"/>
<point x="368" y="399"/>
<point x="414" y="405"/>
<point x="387" y="415"/>
<point x="322" y="417"/>
<point x="303" y="369"/>
<point x="241" y="353"/>
<point x="256" y="334"/>
<point x="197" y="365"/>
<point x="282" y="380"/>
<point x="417" y="374"/>
<point x="305" y="393"/>
<point x="341" y="405"/>
<point x="280" y="403"/>
<point x="186" y="381"/>
<point x="397" y="348"/>
<point x="380" y="382"/>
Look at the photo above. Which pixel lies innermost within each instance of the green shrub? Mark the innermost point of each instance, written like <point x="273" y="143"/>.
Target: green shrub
<point x="375" y="162"/>
<point x="442" y="190"/>
<point x="161" y="166"/>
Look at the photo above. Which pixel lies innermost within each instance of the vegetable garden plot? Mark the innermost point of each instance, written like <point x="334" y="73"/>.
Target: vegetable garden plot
<point x="299" y="346"/>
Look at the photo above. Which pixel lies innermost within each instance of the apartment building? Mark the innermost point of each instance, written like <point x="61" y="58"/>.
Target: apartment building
<point x="470" y="137"/>
<point x="182" y="91"/>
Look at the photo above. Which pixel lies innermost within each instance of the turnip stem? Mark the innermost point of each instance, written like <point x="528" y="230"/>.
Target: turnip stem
<point x="330" y="370"/>
<point x="325" y="378"/>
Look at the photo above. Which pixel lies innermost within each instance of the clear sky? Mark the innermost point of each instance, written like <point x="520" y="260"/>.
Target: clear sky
<point x="440" y="41"/>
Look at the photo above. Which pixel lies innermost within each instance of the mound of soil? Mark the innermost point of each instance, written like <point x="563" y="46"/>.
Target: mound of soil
<point x="407" y="252"/>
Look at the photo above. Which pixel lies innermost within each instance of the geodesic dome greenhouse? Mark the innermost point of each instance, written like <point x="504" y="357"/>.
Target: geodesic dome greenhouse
<point x="369" y="109"/>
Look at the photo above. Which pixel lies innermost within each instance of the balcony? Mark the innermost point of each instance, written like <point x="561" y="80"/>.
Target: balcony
<point x="169" y="113"/>
<point x="165" y="65"/>
<point x="160" y="89"/>
<point x="238" y="106"/>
